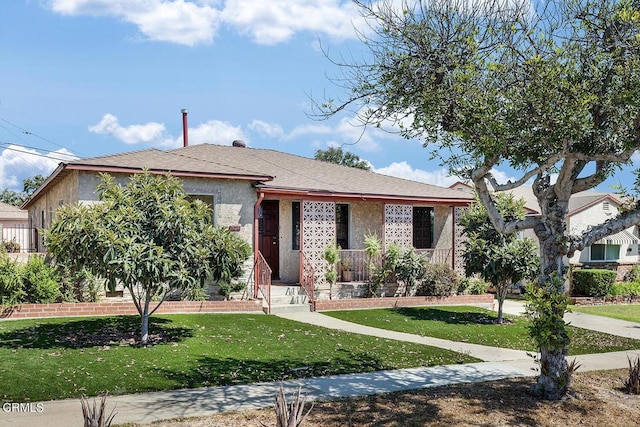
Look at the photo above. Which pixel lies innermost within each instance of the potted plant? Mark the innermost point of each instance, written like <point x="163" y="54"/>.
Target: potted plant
<point x="347" y="269"/>
<point x="331" y="256"/>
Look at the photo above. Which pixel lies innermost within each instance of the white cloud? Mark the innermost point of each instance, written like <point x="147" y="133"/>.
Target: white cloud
<point x="150" y="133"/>
<point x="276" y="21"/>
<point x="175" y="21"/>
<point x="215" y="132"/>
<point x="197" y="22"/>
<point x="18" y="163"/>
<point x="155" y="135"/>
<point x="404" y="170"/>
<point x="269" y="130"/>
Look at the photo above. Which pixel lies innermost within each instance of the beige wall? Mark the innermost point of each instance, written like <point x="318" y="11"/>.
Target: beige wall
<point x="289" y="259"/>
<point x="366" y="218"/>
<point x="443" y="227"/>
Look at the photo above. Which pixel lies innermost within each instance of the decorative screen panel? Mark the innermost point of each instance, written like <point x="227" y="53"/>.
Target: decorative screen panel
<point x="318" y="232"/>
<point x="398" y="225"/>
<point x="459" y="238"/>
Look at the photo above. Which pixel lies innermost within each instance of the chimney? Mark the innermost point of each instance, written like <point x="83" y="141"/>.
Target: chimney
<point x="185" y="128"/>
<point x="238" y="143"/>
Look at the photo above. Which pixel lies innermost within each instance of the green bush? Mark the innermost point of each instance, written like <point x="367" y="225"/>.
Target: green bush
<point x="11" y="246"/>
<point x="11" y="284"/>
<point x="633" y="275"/>
<point x="472" y="286"/>
<point x="438" y="280"/>
<point x="40" y="281"/>
<point x="625" y="289"/>
<point x="593" y="282"/>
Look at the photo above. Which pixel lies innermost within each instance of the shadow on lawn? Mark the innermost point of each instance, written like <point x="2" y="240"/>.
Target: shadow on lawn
<point x="508" y="400"/>
<point x="210" y="371"/>
<point x="461" y="318"/>
<point x="102" y="331"/>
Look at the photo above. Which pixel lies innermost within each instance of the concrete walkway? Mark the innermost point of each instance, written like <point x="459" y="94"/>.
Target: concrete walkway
<point x="497" y="364"/>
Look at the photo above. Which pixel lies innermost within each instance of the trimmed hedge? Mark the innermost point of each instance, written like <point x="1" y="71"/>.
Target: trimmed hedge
<point x="593" y="282"/>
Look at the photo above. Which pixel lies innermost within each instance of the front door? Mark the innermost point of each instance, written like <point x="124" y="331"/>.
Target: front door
<point x="269" y="235"/>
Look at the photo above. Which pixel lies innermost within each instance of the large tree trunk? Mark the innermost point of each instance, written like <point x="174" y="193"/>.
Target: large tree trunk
<point x="554" y="379"/>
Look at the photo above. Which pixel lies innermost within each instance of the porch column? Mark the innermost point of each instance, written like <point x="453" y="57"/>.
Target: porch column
<point x="318" y="232"/>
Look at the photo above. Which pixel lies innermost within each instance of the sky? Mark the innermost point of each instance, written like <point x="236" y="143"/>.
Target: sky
<point x="86" y="78"/>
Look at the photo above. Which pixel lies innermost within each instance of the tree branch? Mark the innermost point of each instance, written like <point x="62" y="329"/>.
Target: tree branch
<point x="612" y="226"/>
<point x="533" y="172"/>
<point x="494" y="215"/>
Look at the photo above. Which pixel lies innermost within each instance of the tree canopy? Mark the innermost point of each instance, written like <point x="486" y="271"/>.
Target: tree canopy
<point x="549" y="88"/>
<point x="29" y="186"/>
<point x="341" y="157"/>
<point x="500" y="259"/>
<point x="147" y="236"/>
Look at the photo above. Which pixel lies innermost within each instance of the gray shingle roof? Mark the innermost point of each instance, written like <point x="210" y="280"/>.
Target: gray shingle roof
<point x="278" y="171"/>
<point x="9" y="212"/>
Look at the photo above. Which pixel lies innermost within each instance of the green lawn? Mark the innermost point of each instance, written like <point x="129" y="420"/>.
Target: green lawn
<point x="476" y="325"/>
<point x="630" y="312"/>
<point x="60" y="358"/>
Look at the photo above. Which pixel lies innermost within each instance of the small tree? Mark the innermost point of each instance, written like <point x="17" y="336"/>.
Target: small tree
<point x="340" y="157"/>
<point x="501" y="259"/>
<point x="332" y="256"/>
<point x="147" y="236"/>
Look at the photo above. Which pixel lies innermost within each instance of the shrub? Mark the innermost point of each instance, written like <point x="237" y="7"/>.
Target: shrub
<point x="633" y="382"/>
<point x="78" y="286"/>
<point x="11" y="284"/>
<point x="40" y="281"/>
<point x="438" y="280"/>
<point x="472" y="286"/>
<point x="593" y="282"/>
<point x="408" y="270"/>
<point x="633" y="275"/>
<point x="625" y="289"/>
<point x="11" y="246"/>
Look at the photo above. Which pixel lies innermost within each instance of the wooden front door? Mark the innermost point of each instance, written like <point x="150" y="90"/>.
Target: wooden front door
<point x="269" y="228"/>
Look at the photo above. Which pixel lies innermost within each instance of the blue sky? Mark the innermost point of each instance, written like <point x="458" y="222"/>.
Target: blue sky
<point x="97" y="77"/>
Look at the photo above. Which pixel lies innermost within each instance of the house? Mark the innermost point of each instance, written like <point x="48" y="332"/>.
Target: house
<point x="619" y="252"/>
<point x="14" y="229"/>
<point x="290" y="208"/>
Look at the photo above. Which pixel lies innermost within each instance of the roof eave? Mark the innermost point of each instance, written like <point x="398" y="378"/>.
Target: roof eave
<point x="313" y="193"/>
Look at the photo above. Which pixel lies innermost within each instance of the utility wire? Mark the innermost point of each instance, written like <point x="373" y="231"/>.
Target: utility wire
<point x="48" y="156"/>
<point x="27" y="132"/>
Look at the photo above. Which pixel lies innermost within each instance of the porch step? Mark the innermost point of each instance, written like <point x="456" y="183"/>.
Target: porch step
<point x="285" y="290"/>
<point x="289" y="299"/>
<point x="289" y="308"/>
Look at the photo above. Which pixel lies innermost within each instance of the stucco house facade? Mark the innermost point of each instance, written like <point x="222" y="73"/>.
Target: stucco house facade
<point x="14" y="228"/>
<point x="289" y="208"/>
<point x="619" y="252"/>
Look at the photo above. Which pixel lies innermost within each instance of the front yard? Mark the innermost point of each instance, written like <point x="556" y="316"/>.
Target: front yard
<point x="476" y="325"/>
<point x="630" y="312"/>
<point x="48" y="359"/>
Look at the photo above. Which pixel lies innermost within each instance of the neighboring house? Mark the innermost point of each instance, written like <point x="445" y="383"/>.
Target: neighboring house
<point x="14" y="228"/>
<point x="618" y="252"/>
<point x="290" y="208"/>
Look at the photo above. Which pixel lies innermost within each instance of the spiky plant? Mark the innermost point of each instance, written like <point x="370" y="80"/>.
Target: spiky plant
<point x="96" y="415"/>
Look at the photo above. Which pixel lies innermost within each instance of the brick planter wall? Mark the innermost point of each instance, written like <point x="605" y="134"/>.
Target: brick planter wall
<point x="604" y="300"/>
<point x="485" y="300"/>
<point x="115" y="308"/>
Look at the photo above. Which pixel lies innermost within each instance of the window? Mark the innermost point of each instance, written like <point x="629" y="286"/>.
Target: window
<point x="423" y="219"/>
<point x="295" y="226"/>
<point x="605" y="252"/>
<point x="342" y="226"/>
<point x="207" y="199"/>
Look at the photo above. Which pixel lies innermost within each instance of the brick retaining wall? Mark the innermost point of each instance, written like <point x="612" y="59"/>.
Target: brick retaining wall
<point x="604" y="300"/>
<point x="114" y="308"/>
<point x="389" y="302"/>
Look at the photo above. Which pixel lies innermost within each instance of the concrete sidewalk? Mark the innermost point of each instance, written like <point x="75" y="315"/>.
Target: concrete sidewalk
<point x="498" y="364"/>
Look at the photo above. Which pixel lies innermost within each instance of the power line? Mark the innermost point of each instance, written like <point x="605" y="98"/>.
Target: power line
<point x="48" y="156"/>
<point x="28" y="132"/>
